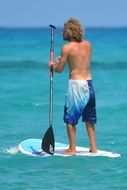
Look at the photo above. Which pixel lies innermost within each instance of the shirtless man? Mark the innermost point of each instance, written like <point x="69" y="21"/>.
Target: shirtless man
<point x="80" y="99"/>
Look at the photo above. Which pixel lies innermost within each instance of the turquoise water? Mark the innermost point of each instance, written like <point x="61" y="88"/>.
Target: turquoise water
<point x="24" y="112"/>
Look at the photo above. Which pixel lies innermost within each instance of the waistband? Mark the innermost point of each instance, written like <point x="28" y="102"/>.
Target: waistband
<point x="81" y="81"/>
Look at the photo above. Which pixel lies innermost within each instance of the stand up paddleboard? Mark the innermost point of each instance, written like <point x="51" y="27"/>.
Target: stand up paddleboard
<point x="32" y="147"/>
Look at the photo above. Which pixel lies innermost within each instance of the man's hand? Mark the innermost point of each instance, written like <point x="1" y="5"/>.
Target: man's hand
<point x="57" y="66"/>
<point x="54" y="65"/>
<point x="58" y="59"/>
<point x="50" y="64"/>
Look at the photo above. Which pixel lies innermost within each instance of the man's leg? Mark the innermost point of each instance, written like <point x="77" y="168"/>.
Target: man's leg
<point x="91" y="134"/>
<point x="71" y="135"/>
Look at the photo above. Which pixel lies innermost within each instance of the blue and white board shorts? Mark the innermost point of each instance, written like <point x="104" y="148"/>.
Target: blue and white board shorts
<point x="80" y="101"/>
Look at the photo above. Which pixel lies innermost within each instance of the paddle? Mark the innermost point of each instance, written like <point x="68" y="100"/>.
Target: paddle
<point x="48" y="141"/>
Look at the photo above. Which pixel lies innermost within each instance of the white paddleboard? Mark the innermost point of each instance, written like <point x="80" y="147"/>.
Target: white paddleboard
<point x="32" y="147"/>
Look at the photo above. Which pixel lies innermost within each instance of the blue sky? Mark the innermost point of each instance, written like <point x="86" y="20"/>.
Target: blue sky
<point x="39" y="13"/>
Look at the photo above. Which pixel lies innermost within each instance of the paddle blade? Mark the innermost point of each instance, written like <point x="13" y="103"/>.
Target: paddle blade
<point x="48" y="143"/>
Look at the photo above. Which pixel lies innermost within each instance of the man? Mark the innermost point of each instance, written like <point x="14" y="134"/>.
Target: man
<point x="80" y="99"/>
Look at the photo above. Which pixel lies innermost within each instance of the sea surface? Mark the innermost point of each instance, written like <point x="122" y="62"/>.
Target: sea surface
<point x="24" y="111"/>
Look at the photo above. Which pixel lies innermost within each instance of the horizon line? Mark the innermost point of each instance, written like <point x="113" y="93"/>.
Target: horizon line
<point x="60" y="27"/>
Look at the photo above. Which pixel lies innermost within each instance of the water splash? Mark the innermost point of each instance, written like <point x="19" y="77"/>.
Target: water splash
<point x="12" y="150"/>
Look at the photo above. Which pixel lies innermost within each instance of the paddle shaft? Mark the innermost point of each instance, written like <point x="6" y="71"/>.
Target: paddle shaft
<point x="51" y="75"/>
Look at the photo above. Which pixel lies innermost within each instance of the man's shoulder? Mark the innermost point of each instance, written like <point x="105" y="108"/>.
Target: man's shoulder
<point x="86" y="42"/>
<point x="69" y="46"/>
<point x="66" y="47"/>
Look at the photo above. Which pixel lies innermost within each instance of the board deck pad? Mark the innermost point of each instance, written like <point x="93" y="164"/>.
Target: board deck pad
<point x="32" y="147"/>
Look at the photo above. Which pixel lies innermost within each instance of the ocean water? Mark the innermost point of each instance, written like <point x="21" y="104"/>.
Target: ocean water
<point x="24" y="112"/>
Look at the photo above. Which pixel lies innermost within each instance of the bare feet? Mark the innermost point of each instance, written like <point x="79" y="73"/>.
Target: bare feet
<point x="69" y="152"/>
<point x="93" y="150"/>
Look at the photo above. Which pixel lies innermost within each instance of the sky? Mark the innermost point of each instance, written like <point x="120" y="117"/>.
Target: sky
<point x="41" y="13"/>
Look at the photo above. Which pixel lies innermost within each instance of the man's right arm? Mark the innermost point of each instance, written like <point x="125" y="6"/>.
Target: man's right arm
<point x="60" y="61"/>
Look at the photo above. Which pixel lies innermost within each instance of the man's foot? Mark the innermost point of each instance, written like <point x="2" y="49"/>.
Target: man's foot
<point x="93" y="150"/>
<point x="69" y="152"/>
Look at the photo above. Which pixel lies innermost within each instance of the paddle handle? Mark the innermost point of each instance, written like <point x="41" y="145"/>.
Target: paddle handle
<point x="52" y="47"/>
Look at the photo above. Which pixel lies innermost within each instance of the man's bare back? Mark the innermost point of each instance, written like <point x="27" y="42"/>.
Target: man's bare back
<point x="78" y="59"/>
<point x="77" y="55"/>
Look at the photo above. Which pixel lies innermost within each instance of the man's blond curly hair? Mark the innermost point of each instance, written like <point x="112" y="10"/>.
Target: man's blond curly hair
<point x="74" y="29"/>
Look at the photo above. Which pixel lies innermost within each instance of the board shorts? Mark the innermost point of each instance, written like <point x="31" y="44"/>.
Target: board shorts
<point x="80" y="101"/>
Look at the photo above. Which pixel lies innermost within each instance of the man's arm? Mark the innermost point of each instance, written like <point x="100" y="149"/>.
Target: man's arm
<point x="60" y="61"/>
